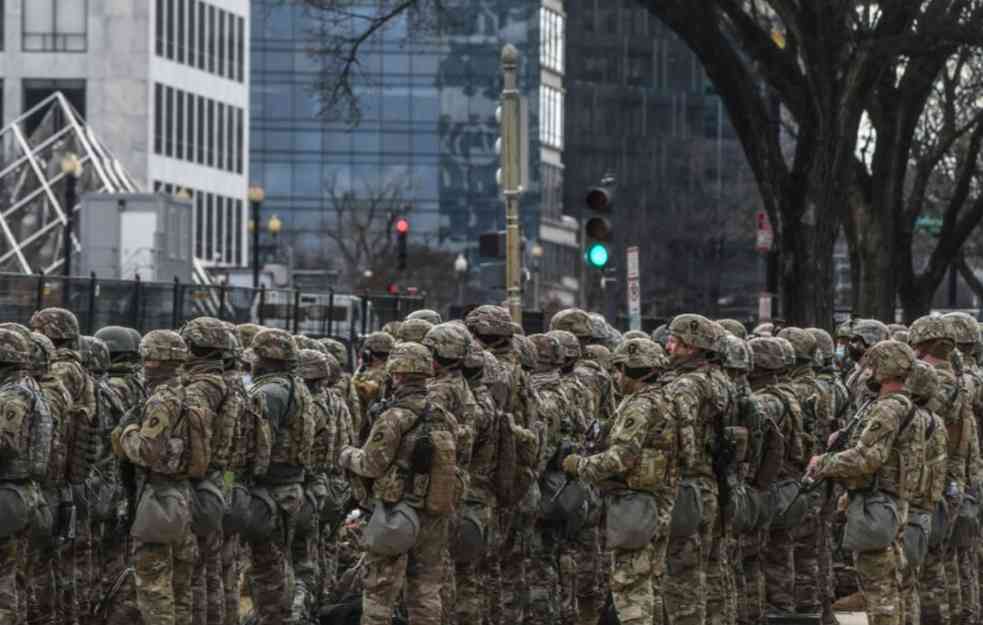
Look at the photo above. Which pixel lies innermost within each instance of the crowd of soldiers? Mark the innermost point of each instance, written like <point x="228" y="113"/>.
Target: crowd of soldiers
<point x="466" y="473"/>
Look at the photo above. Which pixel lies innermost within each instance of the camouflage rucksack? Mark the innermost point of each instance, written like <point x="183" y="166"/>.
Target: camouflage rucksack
<point x="253" y="438"/>
<point x="26" y="432"/>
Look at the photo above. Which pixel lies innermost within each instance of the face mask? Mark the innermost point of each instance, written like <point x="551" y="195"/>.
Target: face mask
<point x="840" y="353"/>
<point x="872" y="384"/>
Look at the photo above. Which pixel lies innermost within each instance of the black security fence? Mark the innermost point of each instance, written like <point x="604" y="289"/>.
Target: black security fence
<point x="149" y="306"/>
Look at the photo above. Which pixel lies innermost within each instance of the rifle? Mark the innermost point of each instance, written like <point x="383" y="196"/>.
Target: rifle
<point x="104" y="602"/>
<point x="840" y="443"/>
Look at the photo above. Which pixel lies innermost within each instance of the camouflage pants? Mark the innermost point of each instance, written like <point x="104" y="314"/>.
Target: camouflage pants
<point x="880" y="578"/>
<point x="585" y="549"/>
<point x="721" y="606"/>
<point x="969" y="585"/>
<point x="954" y="584"/>
<point x="933" y="589"/>
<point x="448" y="585"/>
<point x="544" y="578"/>
<point x="307" y="572"/>
<point x="420" y="570"/>
<point x="121" y="608"/>
<point x="911" y="608"/>
<point x="686" y="583"/>
<point x="13" y="562"/>
<point x="512" y="567"/>
<point x="230" y="578"/>
<point x="778" y="565"/>
<point x="752" y="607"/>
<point x="83" y="551"/>
<point x="163" y="576"/>
<point x="634" y="575"/>
<point x="52" y="584"/>
<point x="805" y="554"/>
<point x="209" y="591"/>
<point x="826" y="585"/>
<point x="270" y="577"/>
<point x="479" y="582"/>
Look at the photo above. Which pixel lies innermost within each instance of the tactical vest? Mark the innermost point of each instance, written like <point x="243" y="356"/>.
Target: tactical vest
<point x="714" y="407"/>
<point x="58" y="403"/>
<point x="26" y="432"/>
<point x="658" y="469"/>
<point x="252" y="443"/>
<point x="906" y="465"/>
<point x="951" y="403"/>
<point x="484" y="453"/>
<point x="932" y="476"/>
<point x="289" y="411"/>
<point x="227" y="417"/>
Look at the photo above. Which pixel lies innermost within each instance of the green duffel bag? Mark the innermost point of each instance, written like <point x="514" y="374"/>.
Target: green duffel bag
<point x="101" y="495"/>
<point x="468" y="543"/>
<point x="163" y="515"/>
<point x="940" y="524"/>
<point x="263" y="516"/>
<point x="687" y="511"/>
<point x="392" y="529"/>
<point x="741" y="510"/>
<point x="305" y="521"/>
<point x="916" y="534"/>
<point x="236" y="515"/>
<point x="871" y="521"/>
<point x="564" y="499"/>
<point x="207" y="508"/>
<point x="15" y="509"/>
<point x="967" y="527"/>
<point x="632" y="519"/>
<point x="337" y="502"/>
<point x="763" y="503"/>
<point x="791" y="508"/>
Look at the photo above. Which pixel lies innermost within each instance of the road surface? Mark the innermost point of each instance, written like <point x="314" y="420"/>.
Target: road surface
<point x="851" y="618"/>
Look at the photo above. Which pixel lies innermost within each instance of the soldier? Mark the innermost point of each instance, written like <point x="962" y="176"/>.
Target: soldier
<point x="734" y="327"/>
<point x="430" y="316"/>
<point x="875" y="459"/>
<point x="413" y="330"/>
<point x="933" y="341"/>
<point x="479" y="580"/>
<point x="25" y="448"/>
<point x="170" y="444"/>
<point x="208" y="345"/>
<point x="344" y="383"/>
<point x="648" y="448"/>
<point x="369" y="382"/>
<point x="514" y="397"/>
<point x="290" y="415"/>
<point x="384" y="460"/>
<point x="125" y="367"/>
<point x="61" y="326"/>
<point x="525" y="351"/>
<point x="864" y="334"/>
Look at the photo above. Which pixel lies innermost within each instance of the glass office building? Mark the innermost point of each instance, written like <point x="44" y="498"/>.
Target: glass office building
<point x="424" y="144"/>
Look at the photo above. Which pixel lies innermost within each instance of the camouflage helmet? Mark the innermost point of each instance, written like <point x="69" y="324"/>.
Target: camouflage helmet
<point x="735" y="353"/>
<point x="696" y="331"/>
<point x="315" y="365"/>
<point x="15" y="349"/>
<point x="574" y="321"/>
<point x="526" y="351"/>
<point x="44" y="351"/>
<point x="897" y="327"/>
<point x="635" y="334"/>
<point x="95" y="354"/>
<point x="18" y="328"/>
<point x="414" y="330"/>
<point x="642" y="354"/>
<point x="600" y="329"/>
<point x="275" y="344"/>
<point x="871" y="331"/>
<point x="337" y="349"/>
<point x="392" y="328"/>
<point x="824" y="346"/>
<point x="119" y="340"/>
<point x="518" y="329"/>
<point x="844" y="330"/>
<point x="489" y="320"/>
<point x="788" y="351"/>
<point x="902" y="335"/>
<point x="923" y="382"/>
<point x="602" y="355"/>
<point x="306" y="342"/>
<point x="205" y="333"/>
<point x="447" y="341"/>
<point x="410" y="358"/>
<point x="430" y="316"/>
<point x="767" y="353"/>
<point x="57" y="324"/>
<point x="568" y="343"/>
<point x="890" y="360"/>
<point x="379" y="343"/>
<point x="549" y="352"/>
<point x="803" y="342"/>
<point x="247" y="332"/>
<point x="163" y="345"/>
<point x="964" y="328"/>
<point x="734" y="327"/>
<point x="661" y="335"/>
<point x="764" y="329"/>
<point x="930" y="328"/>
<point x="475" y="360"/>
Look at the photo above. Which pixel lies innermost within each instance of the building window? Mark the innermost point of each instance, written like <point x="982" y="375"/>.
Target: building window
<point x="220" y="136"/>
<point x="54" y="25"/>
<point x="230" y="138"/>
<point x="201" y="36"/>
<point x="190" y="151"/>
<point x="209" y="225"/>
<point x="192" y="33"/>
<point x="231" y="47"/>
<point x="169" y="29"/>
<point x="169" y="121"/>
<point x="551" y="117"/>
<point x="159" y="27"/>
<point x="238" y="233"/>
<point x="180" y="31"/>
<point x="221" y="43"/>
<point x="210" y="134"/>
<point x="240" y="147"/>
<point x="201" y="130"/>
<point x="211" y="39"/>
<point x="240" y="47"/>
<point x="199" y="222"/>
<point x="179" y="123"/>
<point x="158" y="117"/>
<point x="551" y="33"/>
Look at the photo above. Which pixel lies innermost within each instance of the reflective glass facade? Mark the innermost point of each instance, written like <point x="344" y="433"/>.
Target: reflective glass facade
<point x="426" y="137"/>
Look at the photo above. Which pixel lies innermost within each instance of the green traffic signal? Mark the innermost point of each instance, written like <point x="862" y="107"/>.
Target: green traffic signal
<point x="597" y="255"/>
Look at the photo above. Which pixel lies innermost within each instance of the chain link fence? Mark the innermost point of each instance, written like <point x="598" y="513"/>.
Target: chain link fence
<point x="149" y="306"/>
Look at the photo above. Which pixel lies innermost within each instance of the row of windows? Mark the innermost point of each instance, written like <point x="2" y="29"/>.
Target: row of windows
<point x="201" y="35"/>
<point x="216" y="226"/>
<point x="551" y="116"/>
<point x="552" y="39"/>
<point x="197" y="129"/>
<point x="54" y="25"/>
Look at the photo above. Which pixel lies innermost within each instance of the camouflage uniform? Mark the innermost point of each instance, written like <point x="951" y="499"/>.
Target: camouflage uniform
<point x="647" y="450"/>
<point x="702" y="396"/>
<point x="290" y="413"/>
<point x="208" y="340"/>
<point x="170" y="444"/>
<point x="368" y="385"/>
<point x="83" y="442"/>
<point x="383" y="461"/>
<point x="344" y="383"/>
<point x="25" y="446"/>
<point x="874" y="456"/>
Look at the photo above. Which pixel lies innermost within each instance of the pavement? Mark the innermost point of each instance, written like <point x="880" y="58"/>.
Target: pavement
<point x="851" y="618"/>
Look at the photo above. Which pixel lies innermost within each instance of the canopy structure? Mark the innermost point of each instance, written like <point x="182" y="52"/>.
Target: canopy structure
<point x="33" y="214"/>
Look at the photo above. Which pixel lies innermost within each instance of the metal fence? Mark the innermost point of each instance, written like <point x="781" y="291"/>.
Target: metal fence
<point x="149" y="306"/>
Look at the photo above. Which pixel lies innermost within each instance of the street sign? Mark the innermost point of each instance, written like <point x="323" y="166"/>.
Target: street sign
<point x="634" y="290"/>
<point x="765" y="235"/>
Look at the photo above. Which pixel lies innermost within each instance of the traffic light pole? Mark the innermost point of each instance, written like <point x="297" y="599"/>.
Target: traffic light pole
<point x="511" y="172"/>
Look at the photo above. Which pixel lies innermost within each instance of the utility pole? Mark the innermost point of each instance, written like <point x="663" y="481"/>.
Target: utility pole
<point x="510" y="179"/>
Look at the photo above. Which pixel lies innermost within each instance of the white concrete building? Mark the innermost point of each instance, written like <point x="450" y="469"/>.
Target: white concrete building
<point x="163" y="83"/>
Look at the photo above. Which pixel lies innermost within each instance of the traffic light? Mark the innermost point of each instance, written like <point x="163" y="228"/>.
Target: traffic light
<point x="597" y="228"/>
<point x="402" y="229"/>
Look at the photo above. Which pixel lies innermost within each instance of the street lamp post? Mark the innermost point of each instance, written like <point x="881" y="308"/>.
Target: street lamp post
<point x="274" y="226"/>
<point x="511" y="152"/>
<point x="460" y="268"/>
<point x="256" y="196"/>
<point x="71" y="166"/>
<point x="536" y="252"/>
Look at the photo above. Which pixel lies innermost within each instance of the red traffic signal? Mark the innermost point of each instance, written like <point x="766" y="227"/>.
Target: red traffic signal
<point x="393" y="288"/>
<point x="402" y="226"/>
